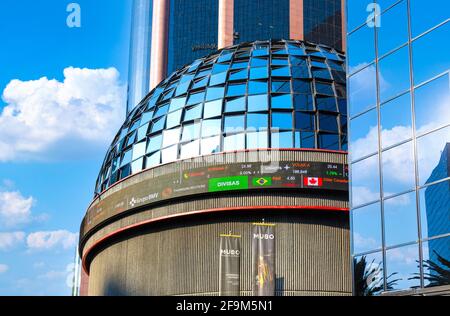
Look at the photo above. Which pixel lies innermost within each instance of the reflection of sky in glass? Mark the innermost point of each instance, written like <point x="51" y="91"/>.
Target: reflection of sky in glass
<point x="429" y="113"/>
<point x="400" y="219"/>
<point x="365" y="181"/>
<point x="366" y="223"/>
<point x="404" y="263"/>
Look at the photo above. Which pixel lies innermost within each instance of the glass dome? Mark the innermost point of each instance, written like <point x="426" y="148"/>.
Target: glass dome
<point x="265" y="94"/>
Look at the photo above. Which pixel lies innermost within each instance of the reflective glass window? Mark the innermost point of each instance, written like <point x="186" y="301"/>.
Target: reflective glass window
<point x="193" y="113"/>
<point x="432" y="105"/>
<point x="142" y="132"/>
<point x="218" y="79"/>
<point x="364" y="135"/>
<point x="234" y="123"/>
<point x="191" y="131"/>
<point x="394" y="29"/>
<point x="234" y="142"/>
<point x="256" y="121"/>
<point x="328" y="122"/>
<point x="153" y="160"/>
<point x="281" y="101"/>
<point x="176" y="103"/>
<point x="212" y="109"/>
<point x="305" y="139"/>
<point x="169" y="154"/>
<point x="328" y="141"/>
<point x="400" y="219"/>
<point x="259" y="62"/>
<point x="171" y="136"/>
<point x="146" y="117"/>
<point x="259" y="73"/>
<point x="282" y="140"/>
<point x="182" y="88"/>
<point x="217" y="68"/>
<point x="326" y="104"/>
<point x="396" y="121"/>
<point x="137" y="165"/>
<point x="300" y="72"/>
<point x="195" y="98"/>
<point x="238" y="75"/>
<point x="174" y="118"/>
<point x="432" y="152"/>
<point x="357" y="13"/>
<point x="366" y="230"/>
<point x="436" y="13"/>
<point x="139" y="150"/>
<point x="394" y="74"/>
<point x="257" y="140"/>
<point x="211" y="127"/>
<point x="236" y="105"/>
<point x="281" y="72"/>
<point x="126" y="158"/>
<point x="154" y="143"/>
<point x="210" y="145"/>
<point x="257" y="87"/>
<point x="402" y="268"/>
<point x="162" y="110"/>
<point x="324" y="88"/>
<point x="361" y="48"/>
<point x="363" y="90"/>
<point x="213" y="93"/>
<point x="258" y="103"/>
<point x="304" y="102"/>
<point x="281" y="120"/>
<point x="365" y="181"/>
<point x="301" y="86"/>
<point x="158" y="125"/>
<point x="435" y="209"/>
<point x="436" y="256"/>
<point x="281" y="86"/>
<point x="236" y="89"/>
<point x="430" y="53"/>
<point x="368" y="274"/>
<point x="189" y="150"/>
<point x="305" y="121"/>
<point x="398" y="169"/>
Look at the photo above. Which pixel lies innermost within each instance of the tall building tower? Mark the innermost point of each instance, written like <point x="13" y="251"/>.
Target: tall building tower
<point x="168" y="34"/>
<point x="399" y="130"/>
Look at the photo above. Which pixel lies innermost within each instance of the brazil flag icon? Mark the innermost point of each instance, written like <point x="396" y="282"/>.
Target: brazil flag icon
<point x="262" y="181"/>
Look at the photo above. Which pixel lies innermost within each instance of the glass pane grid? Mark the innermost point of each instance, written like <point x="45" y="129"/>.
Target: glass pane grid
<point x="278" y="94"/>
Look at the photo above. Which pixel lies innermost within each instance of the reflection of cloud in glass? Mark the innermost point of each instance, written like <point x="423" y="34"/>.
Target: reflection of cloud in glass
<point x="364" y="242"/>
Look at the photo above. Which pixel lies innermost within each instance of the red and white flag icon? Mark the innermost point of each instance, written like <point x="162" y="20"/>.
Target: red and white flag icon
<point x="312" y="181"/>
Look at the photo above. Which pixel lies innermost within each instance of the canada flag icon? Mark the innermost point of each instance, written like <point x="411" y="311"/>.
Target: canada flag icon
<point x="312" y="182"/>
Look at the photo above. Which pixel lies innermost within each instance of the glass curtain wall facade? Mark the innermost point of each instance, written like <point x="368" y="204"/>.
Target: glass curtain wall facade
<point x="261" y="20"/>
<point x="140" y="52"/>
<point x="399" y="138"/>
<point x="323" y="22"/>
<point x="193" y="27"/>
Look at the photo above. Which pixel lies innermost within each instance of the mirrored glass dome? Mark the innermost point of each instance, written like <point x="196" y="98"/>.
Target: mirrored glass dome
<point x="265" y="94"/>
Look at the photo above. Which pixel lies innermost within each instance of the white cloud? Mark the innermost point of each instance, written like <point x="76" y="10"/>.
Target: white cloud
<point x="15" y="209"/>
<point x="44" y="118"/>
<point x="361" y="242"/>
<point x="9" y="240"/>
<point x="46" y="240"/>
<point x="3" y="268"/>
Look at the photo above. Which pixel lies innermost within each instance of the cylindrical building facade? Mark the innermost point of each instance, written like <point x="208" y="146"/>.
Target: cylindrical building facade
<point x="254" y="132"/>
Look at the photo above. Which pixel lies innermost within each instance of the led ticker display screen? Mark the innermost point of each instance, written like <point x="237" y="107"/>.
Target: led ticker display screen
<point x="220" y="178"/>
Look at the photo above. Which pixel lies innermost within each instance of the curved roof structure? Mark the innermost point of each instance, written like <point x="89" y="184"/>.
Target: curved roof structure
<point x="265" y="94"/>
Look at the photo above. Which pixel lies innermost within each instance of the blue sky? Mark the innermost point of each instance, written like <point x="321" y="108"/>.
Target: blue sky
<point x="47" y="179"/>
